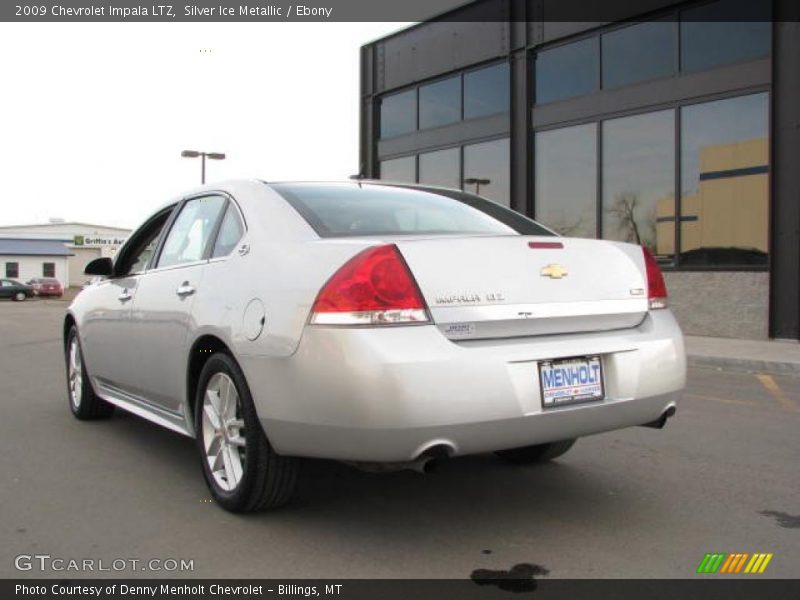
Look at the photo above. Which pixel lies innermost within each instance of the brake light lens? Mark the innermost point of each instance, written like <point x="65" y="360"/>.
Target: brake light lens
<point x="375" y="287"/>
<point x="656" y="288"/>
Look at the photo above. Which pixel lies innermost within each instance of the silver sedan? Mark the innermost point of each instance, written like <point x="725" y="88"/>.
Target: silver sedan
<point x="384" y="325"/>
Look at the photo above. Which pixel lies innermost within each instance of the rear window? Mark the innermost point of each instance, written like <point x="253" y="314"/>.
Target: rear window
<point x="349" y="210"/>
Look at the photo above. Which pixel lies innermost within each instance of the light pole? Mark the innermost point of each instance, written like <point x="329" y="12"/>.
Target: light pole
<point x="203" y="155"/>
<point x="477" y="182"/>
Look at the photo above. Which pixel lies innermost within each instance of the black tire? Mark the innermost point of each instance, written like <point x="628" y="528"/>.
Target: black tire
<point x="268" y="479"/>
<point x="20" y="297"/>
<point x="86" y="405"/>
<point x="536" y="454"/>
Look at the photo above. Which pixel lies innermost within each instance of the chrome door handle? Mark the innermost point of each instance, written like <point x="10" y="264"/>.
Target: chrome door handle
<point x="125" y="295"/>
<point x="185" y="289"/>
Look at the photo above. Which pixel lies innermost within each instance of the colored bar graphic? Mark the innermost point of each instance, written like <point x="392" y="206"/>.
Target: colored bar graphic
<point x="764" y="564"/>
<point x="734" y="563"/>
<point x="711" y="562"/>
<point x="731" y="560"/>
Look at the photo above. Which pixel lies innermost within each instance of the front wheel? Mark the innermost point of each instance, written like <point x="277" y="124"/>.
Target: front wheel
<point x="83" y="402"/>
<point x="536" y="454"/>
<point x="243" y="472"/>
<point x="20" y="296"/>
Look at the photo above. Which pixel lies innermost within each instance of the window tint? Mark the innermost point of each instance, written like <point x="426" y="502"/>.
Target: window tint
<point x="487" y="170"/>
<point x="567" y="71"/>
<point x="230" y="232"/>
<point x="399" y="169"/>
<point x="441" y="168"/>
<point x="725" y="182"/>
<point x="12" y="269"/>
<point x="486" y="91"/>
<point x="399" y="113"/>
<point x="138" y="250"/>
<point x="566" y="180"/>
<point x="638" y="191"/>
<point x="637" y="53"/>
<point x="342" y="210"/>
<point x="724" y="32"/>
<point x="49" y="269"/>
<point x="191" y="231"/>
<point x="440" y="103"/>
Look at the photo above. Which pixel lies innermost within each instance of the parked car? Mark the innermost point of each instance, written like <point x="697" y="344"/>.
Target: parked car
<point x="46" y="286"/>
<point x="18" y="291"/>
<point x="383" y="325"/>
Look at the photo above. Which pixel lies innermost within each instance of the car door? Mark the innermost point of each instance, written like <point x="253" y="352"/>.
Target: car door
<point x="6" y="289"/>
<point x="162" y="309"/>
<point x="105" y="330"/>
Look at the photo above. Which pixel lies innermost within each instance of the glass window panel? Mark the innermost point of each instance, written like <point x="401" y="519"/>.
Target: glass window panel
<point x="567" y="71"/>
<point x="725" y="182"/>
<point x="486" y="91"/>
<point x="488" y="165"/>
<point x="440" y="103"/>
<point x="441" y="168"/>
<point x="638" y="192"/>
<point x="566" y="180"/>
<point x="399" y="169"/>
<point x="724" y="32"/>
<point x="191" y="231"/>
<point x="637" y="53"/>
<point x="230" y="232"/>
<point x="399" y="114"/>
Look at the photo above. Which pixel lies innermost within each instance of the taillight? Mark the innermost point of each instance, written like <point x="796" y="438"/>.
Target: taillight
<point x="375" y="287"/>
<point x="656" y="288"/>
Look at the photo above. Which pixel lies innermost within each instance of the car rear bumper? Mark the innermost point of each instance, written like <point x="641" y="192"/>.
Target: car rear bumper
<point x="390" y="394"/>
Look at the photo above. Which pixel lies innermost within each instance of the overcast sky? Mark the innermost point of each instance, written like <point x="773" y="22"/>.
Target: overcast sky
<point x="95" y="115"/>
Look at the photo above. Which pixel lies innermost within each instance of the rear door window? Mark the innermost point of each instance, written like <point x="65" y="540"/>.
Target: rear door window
<point x="191" y="231"/>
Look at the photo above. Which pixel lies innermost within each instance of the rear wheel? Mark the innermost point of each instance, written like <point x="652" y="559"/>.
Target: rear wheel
<point x="243" y="472"/>
<point x="536" y="454"/>
<point x="83" y="402"/>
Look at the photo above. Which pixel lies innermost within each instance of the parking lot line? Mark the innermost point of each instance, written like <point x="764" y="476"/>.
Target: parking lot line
<point x="773" y="388"/>
<point x="717" y="399"/>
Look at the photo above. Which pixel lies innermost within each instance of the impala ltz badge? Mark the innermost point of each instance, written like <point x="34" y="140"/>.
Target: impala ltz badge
<point x="554" y="271"/>
<point x="470" y="298"/>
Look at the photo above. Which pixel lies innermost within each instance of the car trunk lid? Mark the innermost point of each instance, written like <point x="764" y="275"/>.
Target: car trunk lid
<point x="508" y="286"/>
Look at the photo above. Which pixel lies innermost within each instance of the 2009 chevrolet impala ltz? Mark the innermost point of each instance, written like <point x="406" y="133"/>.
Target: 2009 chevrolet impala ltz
<point x="383" y="325"/>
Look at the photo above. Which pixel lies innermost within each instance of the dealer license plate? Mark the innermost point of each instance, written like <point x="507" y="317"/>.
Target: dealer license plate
<point x="571" y="380"/>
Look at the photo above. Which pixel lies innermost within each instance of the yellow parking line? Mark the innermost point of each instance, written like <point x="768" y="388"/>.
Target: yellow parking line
<point x="716" y="399"/>
<point x="773" y="388"/>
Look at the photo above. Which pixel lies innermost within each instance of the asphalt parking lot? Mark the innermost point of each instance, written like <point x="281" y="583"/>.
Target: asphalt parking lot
<point x="640" y="503"/>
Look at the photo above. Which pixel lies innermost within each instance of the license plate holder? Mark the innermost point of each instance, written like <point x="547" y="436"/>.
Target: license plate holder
<point x="572" y="380"/>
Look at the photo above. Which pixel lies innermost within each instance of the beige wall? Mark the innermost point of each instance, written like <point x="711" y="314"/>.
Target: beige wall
<point x="77" y="262"/>
<point x="731" y="211"/>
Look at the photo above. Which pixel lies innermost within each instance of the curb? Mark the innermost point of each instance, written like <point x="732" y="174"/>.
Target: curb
<point x="746" y="365"/>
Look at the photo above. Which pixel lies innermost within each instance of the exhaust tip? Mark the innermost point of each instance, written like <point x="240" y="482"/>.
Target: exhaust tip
<point x="662" y="420"/>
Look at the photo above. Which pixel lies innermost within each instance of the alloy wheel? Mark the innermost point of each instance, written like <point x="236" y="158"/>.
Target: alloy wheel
<point x="75" y="373"/>
<point x="222" y="431"/>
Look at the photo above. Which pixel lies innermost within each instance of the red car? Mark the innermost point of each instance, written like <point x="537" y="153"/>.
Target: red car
<point x="46" y="286"/>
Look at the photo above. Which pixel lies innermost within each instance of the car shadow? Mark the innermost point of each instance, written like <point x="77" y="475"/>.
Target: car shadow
<point x="463" y="494"/>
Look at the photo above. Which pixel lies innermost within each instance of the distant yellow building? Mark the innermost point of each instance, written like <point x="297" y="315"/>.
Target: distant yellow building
<point x="731" y="206"/>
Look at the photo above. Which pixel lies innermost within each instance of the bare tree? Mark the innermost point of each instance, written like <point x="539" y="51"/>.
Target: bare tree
<point x="624" y="209"/>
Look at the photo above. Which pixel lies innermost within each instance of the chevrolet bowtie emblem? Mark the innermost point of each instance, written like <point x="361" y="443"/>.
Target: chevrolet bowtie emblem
<point x="554" y="271"/>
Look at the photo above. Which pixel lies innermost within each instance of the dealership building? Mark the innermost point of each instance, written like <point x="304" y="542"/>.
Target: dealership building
<point x="57" y="249"/>
<point x="675" y="126"/>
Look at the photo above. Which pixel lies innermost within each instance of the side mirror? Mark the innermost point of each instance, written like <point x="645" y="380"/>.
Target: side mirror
<point x="100" y="266"/>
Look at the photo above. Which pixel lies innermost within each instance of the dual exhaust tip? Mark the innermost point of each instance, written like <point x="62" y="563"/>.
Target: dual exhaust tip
<point x="425" y="463"/>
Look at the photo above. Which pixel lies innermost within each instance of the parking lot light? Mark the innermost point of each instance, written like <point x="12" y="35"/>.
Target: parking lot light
<point x="203" y="156"/>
